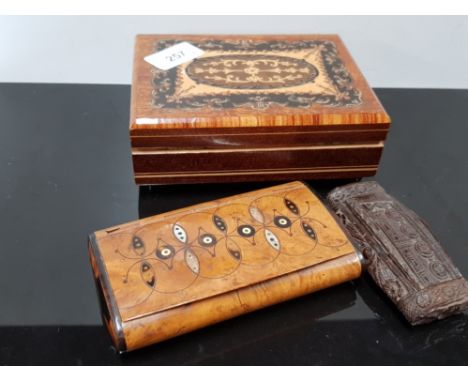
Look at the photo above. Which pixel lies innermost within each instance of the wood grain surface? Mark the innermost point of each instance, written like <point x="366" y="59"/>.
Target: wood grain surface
<point x="172" y="273"/>
<point x="253" y="107"/>
<point x="145" y="116"/>
<point x="303" y="162"/>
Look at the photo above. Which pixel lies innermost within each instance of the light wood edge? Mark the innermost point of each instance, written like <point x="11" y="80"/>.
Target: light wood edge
<point x="141" y="133"/>
<point x="150" y="151"/>
<point x="255" y="172"/>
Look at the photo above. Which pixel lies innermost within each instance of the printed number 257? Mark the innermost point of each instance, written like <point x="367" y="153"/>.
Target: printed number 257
<point x="175" y="56"/>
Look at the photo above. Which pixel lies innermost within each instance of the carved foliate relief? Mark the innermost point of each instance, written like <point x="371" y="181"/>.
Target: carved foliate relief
<point x="405" y="259"/>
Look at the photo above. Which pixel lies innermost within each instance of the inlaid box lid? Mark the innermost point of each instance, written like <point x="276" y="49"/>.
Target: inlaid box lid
<point x="194" y="253"/>
<point x="243" y="82"/>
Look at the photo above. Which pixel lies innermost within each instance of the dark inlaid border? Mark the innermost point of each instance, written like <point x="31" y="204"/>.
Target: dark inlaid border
<point x="110" y="312"/>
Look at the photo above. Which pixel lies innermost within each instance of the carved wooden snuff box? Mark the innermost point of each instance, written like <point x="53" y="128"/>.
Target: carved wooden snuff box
<point x="253" y="108"/>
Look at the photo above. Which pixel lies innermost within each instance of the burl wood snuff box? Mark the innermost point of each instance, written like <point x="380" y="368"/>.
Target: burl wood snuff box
<point x="176" y="272"/>
<point x="253" y="108"/>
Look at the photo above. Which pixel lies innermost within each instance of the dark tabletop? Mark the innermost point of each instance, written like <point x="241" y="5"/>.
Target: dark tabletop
<point x="65" y="171"/>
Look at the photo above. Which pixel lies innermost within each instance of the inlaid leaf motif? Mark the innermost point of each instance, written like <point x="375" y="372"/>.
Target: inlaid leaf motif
<point x="291" y="206"/>
<point x="272" y="239"/>
<point x="233" y="249"/>
<point x="192" y="261"/>
<point x="147" y="274"/>
<point x="256" y="214"/>
<point x="308" y="230"/>
<point x="219" y="223"/>
<point x="179" y="233"/>
<point x="234" y="253"/>
<point x="138" y="245"/>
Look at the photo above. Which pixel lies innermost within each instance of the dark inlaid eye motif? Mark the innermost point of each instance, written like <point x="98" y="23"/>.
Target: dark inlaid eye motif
<point x="219" y="223"/>
<point x="147" y="274"/>
<point x="234" y="253"/>
<point x="207" y="240"/>
<point x="291" y="206"/>
<point x="246" y="230"/>
<point x="138" y="245"/>
<point x="309" y="231"/>
<point x="282" y="221"/>
<point x="165" y="252"/>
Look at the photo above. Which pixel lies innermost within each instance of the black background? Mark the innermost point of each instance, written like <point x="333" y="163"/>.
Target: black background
<point x="65" y="171"/>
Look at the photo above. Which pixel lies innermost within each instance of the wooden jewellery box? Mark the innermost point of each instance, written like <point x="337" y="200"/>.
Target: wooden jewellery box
<point x="252" y="108"/>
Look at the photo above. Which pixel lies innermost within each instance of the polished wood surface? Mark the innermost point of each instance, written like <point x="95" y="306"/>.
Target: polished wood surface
<point x="324" y="161"/>
<point x="172" y="273"/>
<point x="248" y="138"/>
<point x="252" y="93"/>
<point x="145" y="116"/>
<point x="288" y="174"/>
<point x="181" y="320"/>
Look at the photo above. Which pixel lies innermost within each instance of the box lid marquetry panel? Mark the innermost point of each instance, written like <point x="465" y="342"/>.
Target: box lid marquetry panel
<point x="264" y="82"/>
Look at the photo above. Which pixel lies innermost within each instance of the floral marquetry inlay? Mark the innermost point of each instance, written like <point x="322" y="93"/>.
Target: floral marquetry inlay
<point x="256" y="74"/>
<point x="251" y="71"/>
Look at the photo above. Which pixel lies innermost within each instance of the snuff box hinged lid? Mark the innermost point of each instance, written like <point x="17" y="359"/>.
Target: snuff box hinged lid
<point x="175" y="272"/>
<point x="301" y="93"/>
